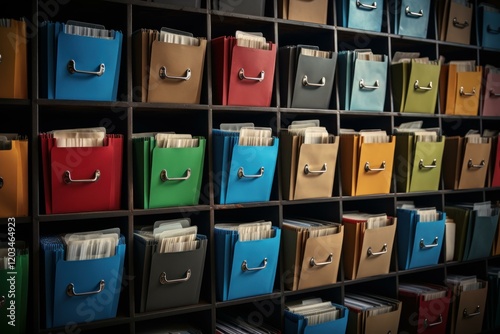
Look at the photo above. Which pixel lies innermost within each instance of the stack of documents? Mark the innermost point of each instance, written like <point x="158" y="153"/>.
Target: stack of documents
<point x="315" y="315"/>
<point x="372" y="313"/>
<point x="491" y="93"/>
<point x="466" y="160"/>
<point x="315" y="12"/>
<point x="311" y="252"/>
<point x="13" y="175"/>
<point x="244" y="163"/>
<point x="229" y="323"/>
<point x="362" y="80"/>
<point x="243" y="69"/>
<point x="425" y="307"/>
<point x="367" y="158"/>
<point x="415" y="82"/>
<point x="78" y="165"/>
<point x="168" y="169"/>
<point x="170" y="258"/>
<point x="76" y="269"/>
<point x="364" y="15"/>
<point x="454" y="20"/>
<point x="168" y="65"/>
<point x="246" y="258"/>
<point x="493" y="301"/>
<point x="468" y="303"/>
<point x="79" y="61"/>
<point x="418" y="157"/>
<point x="368" y="242"/>
<point x="308" y="160"/>
<point x="412" y="18"/>
<point x="306" y="76"/>
<point x="488" y="28"/>
<point x="476" y="225"/>
<point x="420" y="236"/>
<point x="14" y="278"/>
<point x="14" y="63"/>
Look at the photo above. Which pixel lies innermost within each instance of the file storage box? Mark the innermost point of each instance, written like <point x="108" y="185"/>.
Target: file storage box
<point x="315" y="11"/>
<point x="249" y="7"/>
<point x="361" y="14"/>
<point x="299" y="324"/>
<point x="412" y="18"/>
<point x="14" y="179"/>
<point x="489" y="27"/>
<point x="491" y="93"/>
<point x="14" y="62"/>
<point x="460" y="91"/>
<point x="244" y="268"/>
<point x="361" y="322"/>
<point x="456" y="22"/>
<point x="419" y="243"/>
<point x="467" y="309"/>
<point x="168" y="280"/>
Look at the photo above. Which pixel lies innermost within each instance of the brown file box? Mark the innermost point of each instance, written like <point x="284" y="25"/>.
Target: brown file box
<point x="459" y="91"/>
<point x="304" y="10"/>
<point x="467" y="310"/>
<point x="14" y="63"/>
<point x="359" y="323"/>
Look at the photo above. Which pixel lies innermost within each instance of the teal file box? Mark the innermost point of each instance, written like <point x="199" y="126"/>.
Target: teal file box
<point x="419" y="243"/>
<point x="299" y="324"/>
<point x="361" y="14"/>
<point x="489" y="27"/>
<point x="480" y="235"/>
<point x="369" y="85"/>
<point x="412" y="18"/>
<point x="245" y="268"/>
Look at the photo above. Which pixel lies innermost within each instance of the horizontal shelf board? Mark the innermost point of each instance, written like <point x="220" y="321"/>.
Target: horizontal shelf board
<point x="200" y="307"/>
<point x="458" y="45"/>
<point x="15" y="102"/>
<point x="411" y="38"/>
<point x="369" y="279"/>
<point x="308" y="111"/>
<point x="168" y="6"/>
<point x="81" y="104"/>
<point x="465" y="263"/>
<point x="300" y="24"/>
<point x="17" y="220"/>
<point x="365" y="197"/>
<point x="362" y="32"/>
<point x="246" y="205"/>
<point x="310" y="201"/>
<point x="414" y="114"/>
<point x="287" y="293"/>
<point x="139" y="106"/>
<point x="252" y="299"/>
<point x="177" y="209"/>
<point x="89" y="325"/>
<point x="419" y="193"/>
<point x="244" y="109"/>
<point x="355" y="113"/>
<point x="420" y="269"/>
<point x="222" y="14"/>
<point x="82" y="215"/>
<point x="464" y="191"/>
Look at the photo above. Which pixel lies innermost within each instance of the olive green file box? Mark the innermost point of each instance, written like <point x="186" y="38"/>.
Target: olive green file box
<point x="415" y="87"/>
<point x="166" y="177"/>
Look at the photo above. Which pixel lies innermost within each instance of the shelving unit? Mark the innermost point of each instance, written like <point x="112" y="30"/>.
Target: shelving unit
<point x="126" y="117"/>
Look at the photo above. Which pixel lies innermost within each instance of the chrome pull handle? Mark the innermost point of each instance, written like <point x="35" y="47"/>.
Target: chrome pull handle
<point x="421" y="164"/>
<point x="164" y="75"/>
<point x="70" y="290"/>
<point x="1" y="182"/>
<point x="493" y="94"/>
<point x="244" y="266"/>
<point x="472" y="165"/>
<point x="362" y="85"/>
<point x="164" y="176"/>
<point x="241" y="174"/>
<point x="418" y="87"/>
<point x="67" y="178"/>
<point x="408" y="12"/>
<point x="470" y="315"/>
<point x="72" y="69"/>
<point x="492" y="31"/>
<point x="372" y="253"/>
<point x="460" y="25"/>
<point x="164" y="280"/>
<point x="306" y="83"/>
<point x="369" y="169"/>
<point x="432" y="324"/>
<point x="424" y="246"/>
<point x="329" y="260"/>
<point x="359" y="4"/>
<point x="307" y="171"/>
<point x="464" y="93"/>
<point x="241" y="75"/>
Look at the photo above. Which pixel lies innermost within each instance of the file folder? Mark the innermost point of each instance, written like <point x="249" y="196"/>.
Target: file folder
<point x="491" y="92"/>
<point x="77" y="67"/>
<point x="249" y="7"/>
<point x="467" y="309"/>
<point x="165" y="177"/>
<point x="366" y="321"/>
<point x="455" y="21"/>
<point x="419" y="242"/>
<point x="308" y="170"/>
<point x="366" y="167"/>
<point x="465" y="164"/>
<point x="242" y="173"/>
<point x="72" y="285"/>
<point x="488" y="26"/>
<point x="244" y="268"/>
<point x="14" y="290"/>
<point x="306" y="81"/>
<point x="14" y="179"/>
<point x="168" y="279"/>
<point x="303" y="10"/>
<point x="242" y="76"/>
<point x="418" y="163"/>
<point x="415" y="87"/>
<point x="14" y="63"/>
<point x="299" y="324"/>
<point x="460" y="91"/>
<point x="364" y="15"/>
<point x="412" y="18"/>
<point x="81" y="179"/>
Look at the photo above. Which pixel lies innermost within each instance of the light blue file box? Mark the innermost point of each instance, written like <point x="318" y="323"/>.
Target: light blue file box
<point x="489" y="28"/>
<point x="244" y="268"/>
<point x="480" y="235"/>
<point x="412" y="18"/>
<point x="369" y="85"/>
<point x="298" y="324"/>
<point x="419" y="243"/>
<point x="361" y="14"/>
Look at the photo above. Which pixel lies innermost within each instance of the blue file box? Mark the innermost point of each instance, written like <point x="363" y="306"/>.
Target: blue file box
<point x="72" y="287"/>
<point x="412" y="19"/>
<point x="298" y="324"/>
<point x="361" y="14"/>
<point x="489" y="28"/>
<point x="242" y="173"/>
<point x="244" y="268"/>
<point x="78" y="67"/>
<point x="419" y="243"/>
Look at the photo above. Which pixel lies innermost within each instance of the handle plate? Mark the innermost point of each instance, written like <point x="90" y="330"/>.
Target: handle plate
<point x="67" y="178"/>
<point x="359" y="4"/>
<point x="470" y="315"/>
<point x="408" y="12"/>
<point x="369" y="169"/>
<point x="460" y="25"/>
<point x="306" y="83"/>
<point x="164" y="176"/>
<point x="72" y="69"/>
<point x="372" y="253"/>
<point x="421" y="164"/>
<point x="70" y="290"/>
<point x="434" y="243"/>
<point x="418" y="87"/>
<point x="244" y="266"/>
<point x="432" y="324"/>
<point x="241" y="174"/>
<point x="164" y="75"/>
<point x="164" y="280"/>
<point x="492" y="30"/>
<point x="241" y="75"/>
<point x="362" y="85"/>
<point x="464" y="93"/>
<point x="470" y="164"/>
<point x="493" y="94"/>
<point x="329" y="260"/>
<point x="307" y="171"/>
